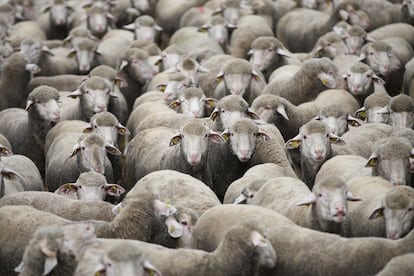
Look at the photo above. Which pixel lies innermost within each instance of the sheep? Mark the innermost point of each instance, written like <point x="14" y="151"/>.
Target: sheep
<point x="243" y="189"/>
<point x="49" y="252"/>
<point x="244" y="251"/>
<point x="145" y="28"/>
<point x="387" y="57"/>
<point x="230" y="161"/>
<point x="372" y="104"/>
<point x="117" y="260"/>
<point x="337" y="119"/>
<point x="408" y="78"/>
<point x="248" y="29"/>
<point x="400" y="111"/>
<point x="400" y="265"/>
<point x="19" y="173"/>
<point x="32" y="124"/>
<point x="289" y="118"/>
<point x="324" y="208"/>
<point x="329" y="45"/>
<point x="359" y="140"/>
<point x="184" y="151"/>
<point x="61" y="205"/>
<point x="354" y="37"/>
<point x="90" y="186"/>
<point x="140" y="218"/>
<point x="401" y="30"/>
<point x="86" y="53"/>
<point x="267" y="53"/>
<point x="407" y="14"/>
<point x="76" y="34"/>
<point x="390" y="159"/>
<point x="346" y="167"/>
<point x="314" y="140"/>
<point x="190" y="68"/>
<point x="24" y="29"/>
<point x="301" y="37"/>
<point x="296" y="245"/>
<point x="113" y="45"/>
<point x="170" y="56"/>
<point x="5" y="146"/>
<point x="62" y="82"/>
<point x="135" y="69"/>
<point x="54" y="19"/>
<point x="217" y="27"/>
<point x="89" y="150"/>
<point x="314" y="76"/>
<point x="15" y="75"/>
<point x="93" y="97"/>
<point x="382" y="13"/>
<point x="236" y="76"/>
<point x="380" y="199"/>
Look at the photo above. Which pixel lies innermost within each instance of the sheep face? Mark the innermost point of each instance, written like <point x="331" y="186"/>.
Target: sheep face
<point x="32" y="50"/>
<point x="59" y="13"/>
<point x="401" y="119"/>
<point x="262" y="59"/>
<point x="98" y="20"/>
<point x="380" y="58"/>
<point x="174" y="88"/>
<point x="374" y="114"/>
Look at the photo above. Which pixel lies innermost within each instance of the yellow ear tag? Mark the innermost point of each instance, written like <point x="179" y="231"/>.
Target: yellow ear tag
<point x="219" y="79"/>
<point x="162" y="87"/>
<point x="294" y="144"/>
<point x="362" y="115"/>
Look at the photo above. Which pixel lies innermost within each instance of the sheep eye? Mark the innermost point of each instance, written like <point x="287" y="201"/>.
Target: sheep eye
<point x="206" y="135"/>
<point x="184" y="222"/>
<point x="82" y="148"/>
<point x="8" y="175"/>
<point x="320" y="195"/>
<point x="304" y="136"/>
<point x="409" y="209"/>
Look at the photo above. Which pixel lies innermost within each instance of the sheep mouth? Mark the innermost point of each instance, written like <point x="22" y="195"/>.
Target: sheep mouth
<point x="339" y="216"/>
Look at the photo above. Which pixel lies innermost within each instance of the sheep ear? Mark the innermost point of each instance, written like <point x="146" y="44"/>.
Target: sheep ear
<point x="216" y="137"/>
<point x="71" y="54"/>
<point x="76" y="93"/>
<point x="361" y="113"/>
<point x="75" y="150"/>
<point x="158" y="28"/>
<point x="100" y="270"/>
<point x="150" y="269"/>
<point x="175" y="229"/>
<point x="210" y="102"/>
<point x="344" y="15"/>
<point x="372" y="161"/>
<point x="204" y="28"/>
<point x="226" y="135"/>
<point x="263" y="135"/>
<point x="175" y="140"/>
<point x="219" y="77"/>
<point x="307" y="200"/>
<point x="117" y="209"/>
<point x="214" y="114"/>
<point x="282" y="52"/>
<point x="124" y="63"/>
<point x="67" y="189"/>
<point x="114" y="189"/>
<point x="47" y="51"/>
<point x="252" y="115"/>
<point x="175" y="105"/>
<point x="362" y="57"/>
<point x="294" y="143"/>
<point x="282" y="111"/>
<point x="351" y="197"/>
<point x="130" y="27"/>
<point x="32" y="68"/>
<point x="353" y="121"/>
<point x="202" y="69"/>
<point x="378" y="80"/>
<point x="336" y="139"/>
<point x="240" y="199"/>
<point x="51" y="257"/>
<point x="19" y="268"/>
<point x="256" y="76"/>
<point x="122" y="130"/>
<point x="112" y="150"/>
<point x="161" y="87"/>
<point x="395" y="63"/>
<point x="5" y="151"/>
<point x="120" y="82"/>
<point x="257" y="239"/>
<point x="88" y="129"/>
<point x="379" y="212"/>
<point x="29" y="104"/>
<point x="163" y="208"/>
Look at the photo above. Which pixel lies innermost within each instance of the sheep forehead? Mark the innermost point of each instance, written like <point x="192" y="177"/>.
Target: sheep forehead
<point x="59" y="1"/>
<point x="91" y="179"/>
<point x="96" y="83"/>
<point x="360" y="68"/>
<point x="30" y="41"/>
<point x="145" y="20"/>
<point x="174" y="49"/>
<point x="105" y="119"/>
<point x="80" y="32"/>
<point x="399" y="197"/>
<point x="244" y="125"/>
<point x="392" y="147"/>
<point x="402" y="103"/>
<point x="237" y="66"/>
<point x="217" y="20"/>
<point x="332" y="37"/>
<point x="232" y="103"/>
<point x="51" y="232"/>
<point x="16" y="60"/>
<point x="177" y="76"/>
<point x="44" y="93"/>
<point x="96" y="10"/>
<point x="330" y="183"/>
<point x="86" y="44"/>
<point x="192" y="92"/>
<point x="232" y="3"/>
<point x="376" y="99"/>
<point x="333" y="111"/>
<point x="316" y="65"/>
<point x="356" y="31"/>
<point x="266" y="100"/>
<point x="124" y="253"/>
<point x="139" y="43"/>
<point x="103" y="71"/>
<point x="135" y="53"/>
<point x="380" y="46"/>
<point x="265" y="43"/>
<point x="313" y="127"/>
<point x="194" y="127"/>
<point x="188" y="64"/>
<point x="91" y="139"/>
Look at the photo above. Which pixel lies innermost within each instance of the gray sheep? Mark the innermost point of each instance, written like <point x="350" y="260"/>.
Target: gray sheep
<point x="145" y="28"/>
<point x="15" y="75"/>
<point x="408" y="78"/>
<point x="29" y="128"/>
<point x="141" y="217"/>
<point x="324" y="208"/>
<point x="244" y="251"/>
<point x="50" y="251"/>
<point x="163" y="148"/>
<point x="372" y="104"/>
<point x="401" y="265"/>
<point x="89" y="151"/>
<point x="296" y="245"/>
<point x="289" y="118"/>
<point x="312" y="77"/>
<point x="400" y="111"/>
